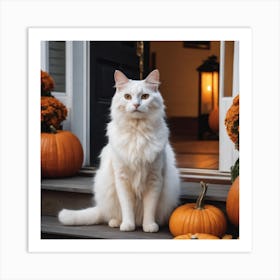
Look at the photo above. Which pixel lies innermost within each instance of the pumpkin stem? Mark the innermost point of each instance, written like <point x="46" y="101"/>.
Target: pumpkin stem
<point x="53" y="129"/>
<point x="194" y="236"/>
<point x="201" y="197"/>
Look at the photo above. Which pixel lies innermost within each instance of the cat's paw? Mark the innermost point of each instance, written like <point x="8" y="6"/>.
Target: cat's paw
<point x="66" y="217"/>
<point x="127" y="226"/>
<point x="153" y="227"/>
<point x="114" y="223"/>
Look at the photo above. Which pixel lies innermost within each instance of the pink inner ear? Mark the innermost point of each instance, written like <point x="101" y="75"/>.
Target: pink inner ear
<point x="153" y="77"/>
<point x="153" y="80"/>
<point x="120" y="78"/>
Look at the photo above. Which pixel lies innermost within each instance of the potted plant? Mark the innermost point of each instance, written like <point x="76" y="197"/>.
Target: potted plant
<point x="232" y="127"/>
<point x="61" y="150"/>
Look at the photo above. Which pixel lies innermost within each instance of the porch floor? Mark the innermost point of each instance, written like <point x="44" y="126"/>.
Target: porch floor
<point x="196" y="154"/>
<point x="76" y="193"/>
<point x="51" y="227"/>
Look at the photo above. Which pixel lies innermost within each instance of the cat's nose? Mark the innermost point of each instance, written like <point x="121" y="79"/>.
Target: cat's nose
<point x="136" y="105"/>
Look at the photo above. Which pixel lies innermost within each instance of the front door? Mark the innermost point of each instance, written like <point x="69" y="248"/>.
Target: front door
<point x="105" y="58"/>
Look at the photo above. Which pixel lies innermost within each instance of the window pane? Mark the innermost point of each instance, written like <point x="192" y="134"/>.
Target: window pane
<point x="57" y="64"/>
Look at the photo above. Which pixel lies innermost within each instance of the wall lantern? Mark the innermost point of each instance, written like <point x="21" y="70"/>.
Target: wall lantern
<point x="208" y="96"/>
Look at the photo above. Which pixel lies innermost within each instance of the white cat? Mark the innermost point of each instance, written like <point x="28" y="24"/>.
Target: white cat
<point x="137" y="183"/>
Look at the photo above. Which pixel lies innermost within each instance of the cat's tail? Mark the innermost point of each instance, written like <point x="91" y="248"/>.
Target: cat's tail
<point x="89" y="216"/>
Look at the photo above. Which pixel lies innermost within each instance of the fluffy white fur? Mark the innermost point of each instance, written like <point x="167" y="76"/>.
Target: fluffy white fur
<point x="137" y="183"/>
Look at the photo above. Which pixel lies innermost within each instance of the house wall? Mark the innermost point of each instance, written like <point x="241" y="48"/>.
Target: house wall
<point x="179" y="78"/>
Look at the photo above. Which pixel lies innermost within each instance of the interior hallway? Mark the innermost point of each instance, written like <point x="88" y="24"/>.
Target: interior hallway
<point x="190" y="152"/>
<point x="196" y="154"/>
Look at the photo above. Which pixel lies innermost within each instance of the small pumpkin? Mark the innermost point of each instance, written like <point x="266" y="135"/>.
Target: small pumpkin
<point x="227" y="236"/>
<point x="232" y="203"/>
<point x="196" y="236"/>
<point x="213" y="120"/>
<point x="201" y="236"/>
<point x="198" y="217"/>
<point x="61" y="154"/>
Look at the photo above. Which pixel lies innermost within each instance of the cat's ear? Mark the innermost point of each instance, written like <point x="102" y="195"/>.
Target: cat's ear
<point x="153" y="79"/>
<point x="120" y="79"/>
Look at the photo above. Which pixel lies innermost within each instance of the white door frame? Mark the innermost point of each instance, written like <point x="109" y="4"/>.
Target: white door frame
<point x="227" y="152"/>
<point x="81" y="96"/>
<point x="76" y="95"/>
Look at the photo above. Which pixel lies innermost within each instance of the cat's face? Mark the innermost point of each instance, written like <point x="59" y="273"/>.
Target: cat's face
<point x="137" y="99"/>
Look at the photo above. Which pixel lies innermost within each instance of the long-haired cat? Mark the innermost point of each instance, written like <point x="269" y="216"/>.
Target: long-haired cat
<point x="137" y="183"/>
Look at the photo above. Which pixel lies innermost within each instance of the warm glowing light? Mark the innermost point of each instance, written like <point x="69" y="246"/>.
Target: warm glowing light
<point x="209" y="91"/>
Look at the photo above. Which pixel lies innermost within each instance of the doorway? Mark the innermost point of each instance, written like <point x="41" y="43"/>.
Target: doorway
<point x="178" y="62"/>
<point x="179" y="87"/>
<point x="105" y="58"/>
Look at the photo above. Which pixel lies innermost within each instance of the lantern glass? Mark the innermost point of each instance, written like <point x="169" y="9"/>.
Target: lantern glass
<point x="209" y="91"/>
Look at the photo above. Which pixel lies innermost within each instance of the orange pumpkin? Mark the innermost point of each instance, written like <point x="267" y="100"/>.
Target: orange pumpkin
<point x="196" y="236"/>
<point x="232" y="203"/>
<point x="201" y="236"/>
<point x="61" y="154"/>
<point x="213" y="120"/>
<point x="227" y="236"/>
<point x="197" y="217"/>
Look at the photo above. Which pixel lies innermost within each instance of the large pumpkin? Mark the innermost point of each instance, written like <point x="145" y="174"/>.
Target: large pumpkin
<point x="197" y="217"/>
<point x="61" y="154"/>
<point x="232" y="203"/>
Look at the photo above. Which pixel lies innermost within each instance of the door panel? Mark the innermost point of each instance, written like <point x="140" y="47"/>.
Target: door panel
<point x="105" y="58"/>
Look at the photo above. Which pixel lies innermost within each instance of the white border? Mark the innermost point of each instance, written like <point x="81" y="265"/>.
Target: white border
<point x="263" y="16"/>
<point x="36" y="35"/>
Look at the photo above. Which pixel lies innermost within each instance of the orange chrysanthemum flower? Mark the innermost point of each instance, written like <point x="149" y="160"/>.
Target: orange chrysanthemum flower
<point x="47" y="84"/>
<point x="232" y="122"/>
<point x="53" y="112"/>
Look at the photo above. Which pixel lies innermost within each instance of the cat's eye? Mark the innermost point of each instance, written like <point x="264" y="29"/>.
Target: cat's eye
<point x="127" y="96"/>
<point x="145" y="96"/>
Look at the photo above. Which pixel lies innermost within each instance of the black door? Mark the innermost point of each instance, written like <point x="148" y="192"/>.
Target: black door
<point x="105" y="58"/>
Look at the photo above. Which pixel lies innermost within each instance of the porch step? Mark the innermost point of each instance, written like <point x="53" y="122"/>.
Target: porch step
<point x="52" y="229"/>
<point x="76" y="192"/>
